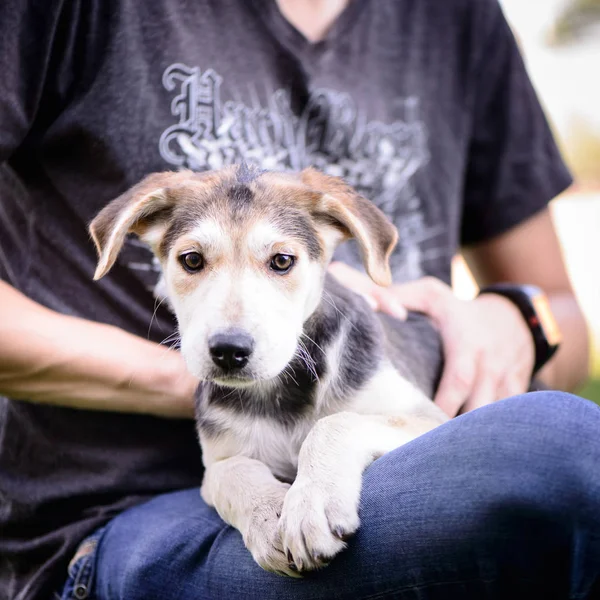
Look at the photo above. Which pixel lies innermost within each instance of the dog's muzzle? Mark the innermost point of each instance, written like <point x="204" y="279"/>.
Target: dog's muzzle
<point x="230" y="350"/>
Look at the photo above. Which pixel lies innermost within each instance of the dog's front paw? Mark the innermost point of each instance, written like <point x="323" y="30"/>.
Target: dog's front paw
<point x="263" y="539"/>
<point x="316" y="521"/>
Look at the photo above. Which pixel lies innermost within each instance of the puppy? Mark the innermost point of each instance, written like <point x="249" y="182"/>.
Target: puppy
<point x="303" y="384"/>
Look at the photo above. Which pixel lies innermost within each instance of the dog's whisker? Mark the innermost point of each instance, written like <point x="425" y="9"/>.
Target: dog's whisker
<point x="307" y="359"/>
<point x="172" y="341"/>
<point x="277" y="396"/>
<point x="170" y="338"/>
<point x="313" y="341"/>
<point x="169" y="348"/>
<point x="284" y="372"/>
<point x="233" y="391"/>
<point x="289" y="366"/>
<point x="175" y="344"/>
<point x="157" y="304"/>
<point x="242" y="407"/>
<point x="305" y="352"/>
<point x="330" y="301"/>
<point x="174" y="335"/>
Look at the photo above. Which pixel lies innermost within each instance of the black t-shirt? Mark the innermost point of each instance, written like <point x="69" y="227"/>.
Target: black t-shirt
<point x="423" y="105"/>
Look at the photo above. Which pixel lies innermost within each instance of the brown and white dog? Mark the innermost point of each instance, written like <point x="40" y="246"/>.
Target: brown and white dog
<point x="303" y="384"/>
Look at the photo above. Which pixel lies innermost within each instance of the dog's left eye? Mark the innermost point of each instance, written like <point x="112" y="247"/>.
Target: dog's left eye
<point x="282" y="263"/>
<point x="192" y="262"/>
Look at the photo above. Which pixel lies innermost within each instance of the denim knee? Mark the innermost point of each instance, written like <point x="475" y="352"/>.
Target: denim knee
<point x="151" y="550"/>
<point x="510" y="488"/>
<point x="554" y="406"/>
<point x="548" y="432"/>
<point x="534" y="454"/>
<point x="520" y="445"/>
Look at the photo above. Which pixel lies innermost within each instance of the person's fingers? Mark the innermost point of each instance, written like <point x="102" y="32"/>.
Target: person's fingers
<point x="351" y="278"/>
<point x="458" y="379"/>
<point x="509" y="387"/>
<point x="377" y="297"/>
<point x="387" y="303"/>
<point x="370" y="300"/>
<point x="428" y="295"/>
<point x="483" y="392"/>
<point x="356" y="281"/>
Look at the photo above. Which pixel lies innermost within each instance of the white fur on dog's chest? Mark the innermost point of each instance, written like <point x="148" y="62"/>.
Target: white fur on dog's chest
<point x="275" y="445"/>
<point x="264" y="439"/>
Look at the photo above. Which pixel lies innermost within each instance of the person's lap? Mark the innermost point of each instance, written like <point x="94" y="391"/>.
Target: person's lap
<point x="502" y="502"/>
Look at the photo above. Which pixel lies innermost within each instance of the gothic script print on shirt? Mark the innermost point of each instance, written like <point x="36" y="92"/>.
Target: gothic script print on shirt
<point x="330" y="133"/>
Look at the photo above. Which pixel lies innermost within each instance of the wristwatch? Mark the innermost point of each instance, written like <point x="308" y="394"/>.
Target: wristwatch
<point x="535" y="308"/>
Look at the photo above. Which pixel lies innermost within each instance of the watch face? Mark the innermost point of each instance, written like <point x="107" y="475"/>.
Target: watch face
<point x="545" y="319"/>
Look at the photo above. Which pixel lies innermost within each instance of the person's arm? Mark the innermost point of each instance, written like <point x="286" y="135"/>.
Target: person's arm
<point x="51" y="358"/>
<point x="530" y="253"/>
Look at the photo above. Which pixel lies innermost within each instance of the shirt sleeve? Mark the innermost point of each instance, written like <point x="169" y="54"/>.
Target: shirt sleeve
<point x="514" y="167"/>
<point x="33" y="36"/>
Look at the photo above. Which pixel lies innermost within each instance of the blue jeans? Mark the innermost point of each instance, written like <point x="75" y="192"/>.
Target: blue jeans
<point x="503" y="502"/>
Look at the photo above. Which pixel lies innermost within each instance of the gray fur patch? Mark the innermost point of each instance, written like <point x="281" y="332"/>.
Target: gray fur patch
<point x="296" y="224"/>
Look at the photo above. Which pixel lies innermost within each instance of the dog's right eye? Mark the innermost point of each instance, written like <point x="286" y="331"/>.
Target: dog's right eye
<point x="192" y="262"/>
<point x="282" y="263"/>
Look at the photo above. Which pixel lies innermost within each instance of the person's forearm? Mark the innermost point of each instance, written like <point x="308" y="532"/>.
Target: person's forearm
<point x="52" y="358"/>
<point x="569" y="368"/>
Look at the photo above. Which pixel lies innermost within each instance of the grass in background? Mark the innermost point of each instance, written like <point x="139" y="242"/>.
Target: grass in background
<point x="591" y="390"/>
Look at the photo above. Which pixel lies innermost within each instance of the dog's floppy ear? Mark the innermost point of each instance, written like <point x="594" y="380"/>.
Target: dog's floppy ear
<point x="130" y="212"/>
<point x="359" y="218"/>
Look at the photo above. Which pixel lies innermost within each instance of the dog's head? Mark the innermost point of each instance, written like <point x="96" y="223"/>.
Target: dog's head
<point x="244" y="255"/>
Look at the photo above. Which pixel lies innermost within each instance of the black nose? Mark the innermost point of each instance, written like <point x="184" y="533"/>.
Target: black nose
<point x="231" y="350"/>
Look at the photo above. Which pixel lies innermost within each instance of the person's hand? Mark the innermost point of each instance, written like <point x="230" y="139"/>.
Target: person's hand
<point x="178" y="387"/>
<point x="488" y="348"/>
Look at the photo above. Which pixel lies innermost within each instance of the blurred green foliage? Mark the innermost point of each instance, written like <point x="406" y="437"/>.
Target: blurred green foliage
<point x="574" y="21"/>
<point x="591" y="391"/>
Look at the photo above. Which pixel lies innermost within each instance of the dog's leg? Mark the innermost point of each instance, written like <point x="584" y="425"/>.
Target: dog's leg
<point x="320" y="510"/>
<point x="247" y="496"/>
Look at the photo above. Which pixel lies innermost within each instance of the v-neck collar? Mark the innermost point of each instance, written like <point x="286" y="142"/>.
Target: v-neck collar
<point x="295" y="40"/>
